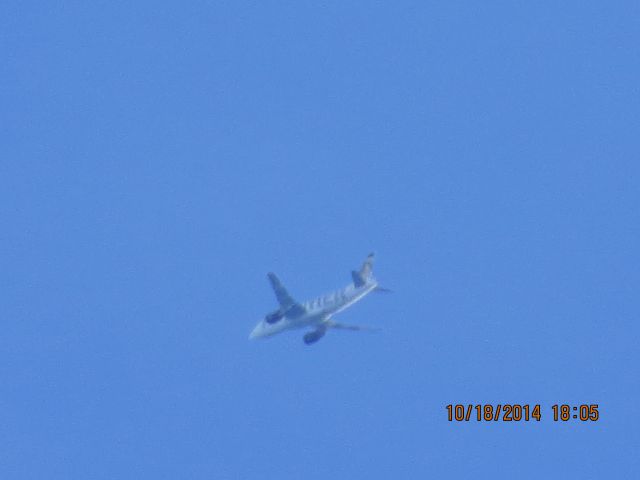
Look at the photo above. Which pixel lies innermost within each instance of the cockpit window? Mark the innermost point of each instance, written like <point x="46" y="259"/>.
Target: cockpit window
<point x="274" y="317"/>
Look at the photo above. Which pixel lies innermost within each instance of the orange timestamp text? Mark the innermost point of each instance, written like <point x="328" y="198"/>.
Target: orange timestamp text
<point x="520" y="412"/>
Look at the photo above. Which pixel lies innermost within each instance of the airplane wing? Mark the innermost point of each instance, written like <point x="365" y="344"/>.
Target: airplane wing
<point x="344" y="326"/>
<point x="291" y="308"/>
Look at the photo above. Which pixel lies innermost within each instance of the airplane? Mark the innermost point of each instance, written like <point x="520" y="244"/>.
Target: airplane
<point x="317" y="313"/>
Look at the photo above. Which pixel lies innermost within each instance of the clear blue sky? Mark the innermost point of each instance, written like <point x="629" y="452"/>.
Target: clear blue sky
<point x="157" y="159"/>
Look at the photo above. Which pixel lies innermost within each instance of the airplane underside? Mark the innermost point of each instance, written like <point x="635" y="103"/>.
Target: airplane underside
<point x="316" y="313"/>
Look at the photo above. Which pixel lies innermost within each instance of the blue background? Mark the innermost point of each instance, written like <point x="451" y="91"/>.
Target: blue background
<point x="157" y="159"/>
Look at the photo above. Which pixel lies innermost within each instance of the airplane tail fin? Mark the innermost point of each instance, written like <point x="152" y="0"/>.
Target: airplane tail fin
<point x="360" y="278"/>
<point x="367" y="267"/>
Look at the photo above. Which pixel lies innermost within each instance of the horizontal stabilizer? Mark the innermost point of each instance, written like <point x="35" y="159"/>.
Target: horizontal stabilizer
<point x="382" y="290"/>
<point x="358" y="281"/>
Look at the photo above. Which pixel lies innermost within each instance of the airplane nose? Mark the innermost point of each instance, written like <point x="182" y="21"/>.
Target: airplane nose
<point x="255" y="333"/>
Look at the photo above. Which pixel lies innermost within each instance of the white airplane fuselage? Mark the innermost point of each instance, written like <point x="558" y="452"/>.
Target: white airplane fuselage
<point x="318" y="311"/>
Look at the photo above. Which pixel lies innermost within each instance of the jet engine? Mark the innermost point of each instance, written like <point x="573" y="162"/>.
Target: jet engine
<point x="314" y="336"/>
<point x="274" y="317"/>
